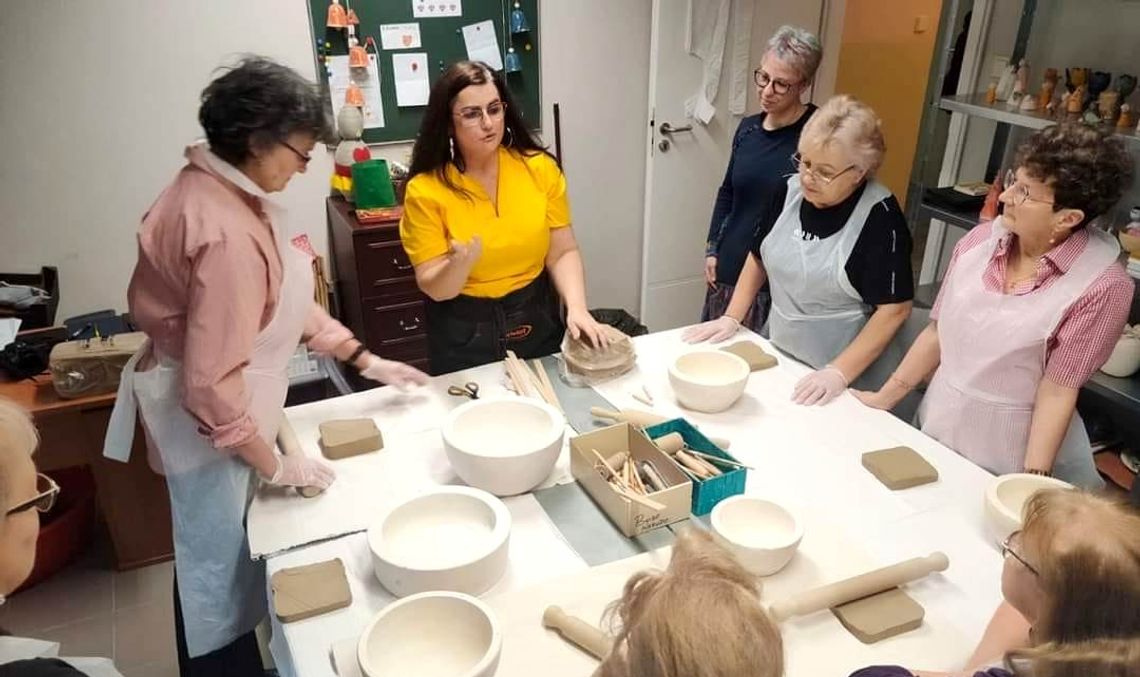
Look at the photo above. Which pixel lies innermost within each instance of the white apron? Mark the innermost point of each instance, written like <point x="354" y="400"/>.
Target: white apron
<point x="816" y="312"/>
<point x="221" y="588"/>
<point x="980" y="401"/>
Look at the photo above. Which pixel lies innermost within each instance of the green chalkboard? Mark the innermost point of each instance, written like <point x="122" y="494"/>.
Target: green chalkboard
<point x="442" y="40"/>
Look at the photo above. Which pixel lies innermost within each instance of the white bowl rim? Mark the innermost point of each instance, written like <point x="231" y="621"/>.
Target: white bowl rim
<point x="557" y="429"/>
<point x="489" y="656"/>
<point x="739" y="361"/>
<point x="1046" y="482"/>
<point x="499" y="533"/>
<point x="715" y="521"/>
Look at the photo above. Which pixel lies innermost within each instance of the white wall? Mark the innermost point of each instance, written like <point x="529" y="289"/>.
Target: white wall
<point x="99" y="101"/>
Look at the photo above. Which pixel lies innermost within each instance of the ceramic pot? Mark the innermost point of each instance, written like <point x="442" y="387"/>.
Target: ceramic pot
<point x="763" y="535"/>
<point x="1005" y="499"/>
<point x="708" y="380"/>
<point x="1125" y="358"/>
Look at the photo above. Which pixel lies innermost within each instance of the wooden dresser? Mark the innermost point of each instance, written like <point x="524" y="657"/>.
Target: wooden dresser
<point x="379" y="299"/>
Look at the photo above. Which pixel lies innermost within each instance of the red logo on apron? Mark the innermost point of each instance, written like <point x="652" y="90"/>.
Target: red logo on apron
<point x="520" y="332"/>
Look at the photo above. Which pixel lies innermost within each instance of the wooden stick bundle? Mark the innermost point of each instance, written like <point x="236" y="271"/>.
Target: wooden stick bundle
<point x="531" y="384"/>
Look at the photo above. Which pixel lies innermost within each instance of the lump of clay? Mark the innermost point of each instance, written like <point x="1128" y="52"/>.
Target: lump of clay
<point x="599" y="365"/>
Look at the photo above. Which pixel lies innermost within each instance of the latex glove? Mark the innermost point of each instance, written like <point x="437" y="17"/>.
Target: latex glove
<point x="820" y="387"/>
<point x="302" y="471"/>
<point x="710" y="271"/>
<point x="391" y="372"/>
<point x="720" y="329"/>
<point x="466" y="253"/>
<point x="582" y="325"/>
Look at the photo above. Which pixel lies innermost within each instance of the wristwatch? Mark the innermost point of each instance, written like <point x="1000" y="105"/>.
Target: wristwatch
<point x="1035" y="471"/>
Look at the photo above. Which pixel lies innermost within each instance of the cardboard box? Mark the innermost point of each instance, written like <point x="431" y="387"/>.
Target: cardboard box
<point x="706" y="493"/>
<point x="631" y="518"/>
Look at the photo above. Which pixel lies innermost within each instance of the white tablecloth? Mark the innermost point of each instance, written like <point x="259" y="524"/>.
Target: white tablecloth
<point x="807" y="458"/>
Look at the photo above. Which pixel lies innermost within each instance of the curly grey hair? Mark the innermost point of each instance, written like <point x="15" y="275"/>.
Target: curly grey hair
<point x="257" y="104"/>
<point x="797" y="47"/>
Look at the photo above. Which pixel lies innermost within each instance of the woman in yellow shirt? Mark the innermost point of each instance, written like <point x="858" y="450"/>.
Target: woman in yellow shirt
<point x="487" y="226"/>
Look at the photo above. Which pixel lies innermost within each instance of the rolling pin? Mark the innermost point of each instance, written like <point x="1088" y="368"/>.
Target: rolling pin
<point x="858" y="587"/>
<point x="643" y="419"/>
<point x="578" y="632"/>
<point x="290" y="446"/>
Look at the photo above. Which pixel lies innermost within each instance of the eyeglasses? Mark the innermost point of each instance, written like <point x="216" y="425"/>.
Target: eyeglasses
<point x="804" y="167"/>
<point x="300" y="156"/>
<point x="1018" y="192"/>
<point x="1008" y="551"/>
<point x="47" y="491"/>
<point x="471" y="116"/>
<point x="762" y="80"/>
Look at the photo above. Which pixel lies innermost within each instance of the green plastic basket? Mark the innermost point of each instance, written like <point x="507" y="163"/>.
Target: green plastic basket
<point x="706" y="493"/>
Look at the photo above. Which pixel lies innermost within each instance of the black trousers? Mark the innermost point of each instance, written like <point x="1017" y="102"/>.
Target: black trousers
<point x="239" y="658"/>
<point x="466" y="331"/>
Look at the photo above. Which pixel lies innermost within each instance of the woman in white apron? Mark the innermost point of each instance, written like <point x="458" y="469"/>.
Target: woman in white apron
<point x="1032" y="304"/>
<point x="836" y="252"/>
<point x="225" y="297"/>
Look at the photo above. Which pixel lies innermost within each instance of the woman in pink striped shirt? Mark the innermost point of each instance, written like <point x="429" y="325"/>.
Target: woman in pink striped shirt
<point x="1031" y="306"/>
<point x="225" y="296"/>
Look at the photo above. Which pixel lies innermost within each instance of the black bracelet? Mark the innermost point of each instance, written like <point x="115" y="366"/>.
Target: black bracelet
<point x="1035" y="471"/>
<point x="360" y="350"/>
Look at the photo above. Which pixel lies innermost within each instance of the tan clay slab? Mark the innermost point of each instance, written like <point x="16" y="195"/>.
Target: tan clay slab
<point x="899" y="468"/>
<point x="875" y="618"/>
<point x="349" y="437"/>
<point x="311" y="590"/>
<point x="753" y="354"/>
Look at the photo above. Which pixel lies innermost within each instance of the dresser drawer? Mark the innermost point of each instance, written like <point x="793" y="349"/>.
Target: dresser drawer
<point x="381" y="264"/>
<point x="410" y="349"/>
<point x="387" y="322"/>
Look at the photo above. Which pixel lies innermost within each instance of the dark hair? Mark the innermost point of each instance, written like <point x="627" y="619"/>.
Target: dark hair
<point x="259" y="103"/>
<point x="1087" y="169"/>
<point x="432" y="150"/>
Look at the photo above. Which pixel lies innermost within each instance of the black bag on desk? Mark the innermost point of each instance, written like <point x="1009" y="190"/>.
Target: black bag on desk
<point x="23" y="359"/>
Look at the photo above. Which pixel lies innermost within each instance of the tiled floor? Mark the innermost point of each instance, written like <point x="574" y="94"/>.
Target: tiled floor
<point x="92" y="610"/>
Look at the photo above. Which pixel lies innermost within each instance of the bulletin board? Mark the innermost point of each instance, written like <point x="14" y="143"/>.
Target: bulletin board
<point x="442" y="40"/>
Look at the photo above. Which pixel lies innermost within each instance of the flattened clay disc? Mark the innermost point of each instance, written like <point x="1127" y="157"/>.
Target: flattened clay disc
<point x="899" y="468"/>
<point x="875" y="618"/>
<point x="753" y="354"/>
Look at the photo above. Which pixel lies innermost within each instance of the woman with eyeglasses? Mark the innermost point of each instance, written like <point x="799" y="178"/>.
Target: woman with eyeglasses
<point x="1031" y="306"/>
<point x="24" y="496"/>
<point x="487" y="226"/>
<point x="758" y="167"/>
<point x="834" y="248"/>
<point x="1071" y="594"/>
<point x="225" y="295"/>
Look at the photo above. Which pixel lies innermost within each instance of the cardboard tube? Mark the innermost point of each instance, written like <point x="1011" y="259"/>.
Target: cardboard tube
<point x="290" y="446"/>
<point x="578" y="632"/>
<point x="858" y="587"/>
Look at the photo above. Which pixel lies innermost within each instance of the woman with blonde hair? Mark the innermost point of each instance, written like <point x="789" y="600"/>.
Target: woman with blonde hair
<point x="1071" y="582"/>
<point x="835" y="250"/>
<point x="701" y="617"/>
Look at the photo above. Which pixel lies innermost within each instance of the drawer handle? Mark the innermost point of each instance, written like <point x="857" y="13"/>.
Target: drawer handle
<point x="410" y="327"/>
<point x="396" y="263"/>
<point x="380" y="245"/>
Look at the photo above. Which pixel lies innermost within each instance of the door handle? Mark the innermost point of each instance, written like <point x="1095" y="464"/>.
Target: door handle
<point x="668" y="129"/>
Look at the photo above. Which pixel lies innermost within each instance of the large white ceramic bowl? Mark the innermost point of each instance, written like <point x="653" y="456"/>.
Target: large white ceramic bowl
<point x="708" y="380"/>
<point x="1125" y="358"/>
<point x="505" y="446"/>
<point x="762" y="534"/>
<point x="433" y="634"/>
<point x="451" y="538"/>
<point x="1006" y="497"/>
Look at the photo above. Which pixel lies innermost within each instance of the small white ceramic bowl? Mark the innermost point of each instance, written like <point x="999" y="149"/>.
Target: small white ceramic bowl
<point x="433" y="634"/>
<point x="708" y="380"/>
<point x="452" y="538"/>
<point x="1006" y="497"/>
<point x="505" y="446"/>
<point x="763" y="535"/>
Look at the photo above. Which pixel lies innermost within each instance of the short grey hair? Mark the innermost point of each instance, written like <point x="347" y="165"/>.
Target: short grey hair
<point x="852" y="124"/>
<point x="797" y="47"/>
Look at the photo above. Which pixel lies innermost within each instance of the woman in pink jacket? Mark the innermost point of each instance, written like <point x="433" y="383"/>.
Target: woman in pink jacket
<point x="225" y="297"/>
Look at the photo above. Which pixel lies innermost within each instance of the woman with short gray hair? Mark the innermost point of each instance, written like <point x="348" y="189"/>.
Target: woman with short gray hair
<point x="835" y="247"/>
<point x="759" y="165"/>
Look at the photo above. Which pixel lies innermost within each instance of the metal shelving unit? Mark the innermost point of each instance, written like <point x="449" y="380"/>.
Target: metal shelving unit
<point x="975" y="105"/>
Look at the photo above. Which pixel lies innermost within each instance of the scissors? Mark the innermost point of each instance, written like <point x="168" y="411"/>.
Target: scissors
<point x="469" y="389"/>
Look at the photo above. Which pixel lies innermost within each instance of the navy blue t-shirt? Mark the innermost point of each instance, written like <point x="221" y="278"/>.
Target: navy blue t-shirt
<point x="760" y="162"/>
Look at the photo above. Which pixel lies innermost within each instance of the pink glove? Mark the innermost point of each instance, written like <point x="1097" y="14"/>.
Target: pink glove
<point x="820" y="387"/>
<point x="393" y="373"/>
<point x="302" y="471"/>
<point x="720" y="329"/>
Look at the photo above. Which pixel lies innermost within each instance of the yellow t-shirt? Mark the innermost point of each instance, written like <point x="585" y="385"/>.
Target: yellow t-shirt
<point x="532" y="202"/>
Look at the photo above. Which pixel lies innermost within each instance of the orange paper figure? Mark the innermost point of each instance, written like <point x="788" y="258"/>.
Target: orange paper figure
<point x="353" y="20"/>
<point x="357" y="55"/>
<point x="337" y="18"/>
<point x="354" y="96"/>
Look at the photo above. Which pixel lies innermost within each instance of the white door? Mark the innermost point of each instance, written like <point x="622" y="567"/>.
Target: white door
<point x="682" y="180"/>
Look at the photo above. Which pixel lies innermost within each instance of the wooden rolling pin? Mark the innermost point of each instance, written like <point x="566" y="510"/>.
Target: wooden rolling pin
<point x="858" y="587"/>
<point x="643" y="419"/>
<point x="290" y="446"/>
<point x="578" y="632"/>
